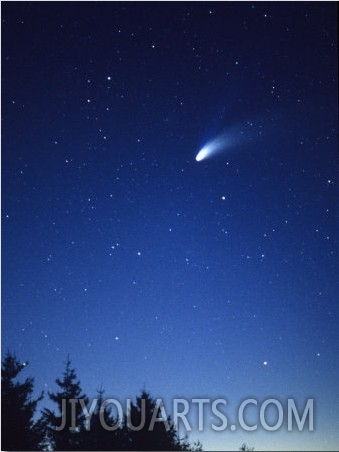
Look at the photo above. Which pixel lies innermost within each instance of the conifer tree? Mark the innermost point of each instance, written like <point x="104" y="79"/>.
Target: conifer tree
<point x="104" y="430"/>
<point x="245" y="448"/>
<point x="157" y="431"/>
<point x="18" y="429"/>
<point x="65" y="429"/>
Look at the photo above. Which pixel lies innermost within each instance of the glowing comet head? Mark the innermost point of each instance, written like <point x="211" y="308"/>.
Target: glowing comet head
<point x="202" y="154"/>
<point x="212" y="147"/>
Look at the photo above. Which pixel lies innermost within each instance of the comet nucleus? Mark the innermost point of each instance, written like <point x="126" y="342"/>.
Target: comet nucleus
<point x="202" y="154"/>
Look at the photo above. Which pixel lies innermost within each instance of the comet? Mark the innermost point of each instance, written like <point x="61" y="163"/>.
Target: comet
<point x="212" y="147"/>
<point x="202" y="154"/>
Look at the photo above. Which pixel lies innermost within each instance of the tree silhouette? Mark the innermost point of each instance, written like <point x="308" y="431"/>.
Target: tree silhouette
<point x="145" y="427"/>
<point x="64" y="431"/>
<point x="149" y="430"/>
<point x="103" y="431"/>
<point x="245" y="448"/>
<point x="19" y="431"/>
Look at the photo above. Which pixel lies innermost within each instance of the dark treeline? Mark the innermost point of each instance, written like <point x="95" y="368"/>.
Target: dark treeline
<point x="67" y="428"/>
<point x="21" y="432"/>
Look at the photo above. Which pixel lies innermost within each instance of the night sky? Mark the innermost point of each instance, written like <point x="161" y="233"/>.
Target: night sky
<point x="212" y="279"/>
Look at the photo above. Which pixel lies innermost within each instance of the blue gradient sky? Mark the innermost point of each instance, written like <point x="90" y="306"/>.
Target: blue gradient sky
<point x="152" y="269"/>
